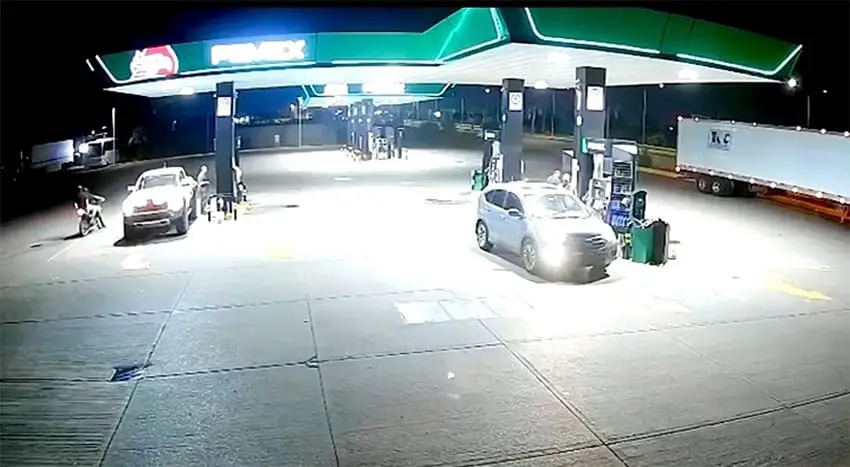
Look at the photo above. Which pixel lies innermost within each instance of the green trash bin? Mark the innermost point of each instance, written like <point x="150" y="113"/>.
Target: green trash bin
<point x="642" y="244"/>
<point x="479" y="180"/>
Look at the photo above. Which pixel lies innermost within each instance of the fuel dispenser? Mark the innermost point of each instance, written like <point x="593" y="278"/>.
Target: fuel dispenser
<point x="569" y="167"/>
<point x="612" y="191"/>
<point x="612" y="179"/>
<point x="490" y="161"/>
<point x="400" y="150"/>
<point x="381" y="142"/>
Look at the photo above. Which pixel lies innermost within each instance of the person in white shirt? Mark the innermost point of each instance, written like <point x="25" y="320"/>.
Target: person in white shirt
<point x="555" y="178"/>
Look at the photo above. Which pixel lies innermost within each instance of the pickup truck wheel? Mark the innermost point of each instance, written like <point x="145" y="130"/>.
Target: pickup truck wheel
<point x="129" y="233"/>
<point x="195" y="207"/>
<point x="182" y="223"/>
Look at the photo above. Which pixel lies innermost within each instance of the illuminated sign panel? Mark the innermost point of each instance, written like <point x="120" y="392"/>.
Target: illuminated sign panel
<point x="595" y="98"/>
<point x="252" y="53"/>
<point x="336" y="89"/>
<point x="154" y="62"/>
<point x="384" y="88"/>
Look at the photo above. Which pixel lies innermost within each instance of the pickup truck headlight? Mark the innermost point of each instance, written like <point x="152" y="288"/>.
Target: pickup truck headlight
<point x="128" y="207"/>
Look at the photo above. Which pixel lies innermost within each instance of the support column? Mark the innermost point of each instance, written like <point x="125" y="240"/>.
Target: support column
<point x="511" y="134"/>
<point x="590" y="121"/>
<point x="359" y="127"/>
<point x="225" y="138"/>
<point x="368" y="119"/>
<point x="351" y="135"/>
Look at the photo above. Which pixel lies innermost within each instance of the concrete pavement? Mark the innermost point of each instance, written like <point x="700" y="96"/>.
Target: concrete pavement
<point x="350" y="320"/>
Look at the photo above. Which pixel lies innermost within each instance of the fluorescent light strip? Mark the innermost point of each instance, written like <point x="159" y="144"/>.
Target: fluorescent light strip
<point x="759" y="71"/>
<point x="321" y="94"/>
<point x="281" y="66"/>
<point x="562" y="40"/>
<point x="109" y="73"/>
<point x="380" y="62"/>
<point x="499" y="37"/>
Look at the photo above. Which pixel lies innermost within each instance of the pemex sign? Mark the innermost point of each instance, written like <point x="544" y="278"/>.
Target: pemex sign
<point x="165" y="61"/>
<point x="154" y="62"/>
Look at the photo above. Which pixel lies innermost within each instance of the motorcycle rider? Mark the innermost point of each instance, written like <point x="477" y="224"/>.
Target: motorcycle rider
<point x="90" y="203"/>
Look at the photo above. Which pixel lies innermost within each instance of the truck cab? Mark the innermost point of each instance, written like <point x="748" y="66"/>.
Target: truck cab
<point x="97" y="152"/>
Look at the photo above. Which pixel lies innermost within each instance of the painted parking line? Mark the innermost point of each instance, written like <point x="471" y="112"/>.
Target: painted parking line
<point x="280" y="252"/>
<point x="791" y="289"/>
<point x="60" y="252"/>
<point x="135" y="262"/>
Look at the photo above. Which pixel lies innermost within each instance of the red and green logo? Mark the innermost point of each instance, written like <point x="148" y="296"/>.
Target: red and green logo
<point x="154" y="62"/>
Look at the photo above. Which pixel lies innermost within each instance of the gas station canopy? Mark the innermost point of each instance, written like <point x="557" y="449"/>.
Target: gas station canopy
<point x="481" y="46"/>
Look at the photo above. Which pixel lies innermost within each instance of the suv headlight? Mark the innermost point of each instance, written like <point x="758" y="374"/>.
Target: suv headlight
<point x="609" y="235"/>
<point x="551" y="236"/>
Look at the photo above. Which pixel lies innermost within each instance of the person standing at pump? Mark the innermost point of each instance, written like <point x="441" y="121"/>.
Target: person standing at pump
<point x="240" y="186"/>
<point x="555" y="178"/>
<point x="203" y="186"/>
<point x="566" y="181"/>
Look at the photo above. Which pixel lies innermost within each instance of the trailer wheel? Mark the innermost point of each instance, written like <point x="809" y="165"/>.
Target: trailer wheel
<point x="721" y="187"/>
<point x="744" y="190"/>
<point x="703" y="185"/>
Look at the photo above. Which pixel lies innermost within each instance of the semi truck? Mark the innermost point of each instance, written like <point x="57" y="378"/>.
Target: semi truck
<point x="728" y="158"/>
<point x="96" y="150"/>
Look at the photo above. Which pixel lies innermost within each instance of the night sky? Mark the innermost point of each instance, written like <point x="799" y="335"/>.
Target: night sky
<point x="48" y="92"/>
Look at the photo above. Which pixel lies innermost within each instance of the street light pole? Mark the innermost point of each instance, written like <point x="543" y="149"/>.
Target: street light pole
<point x="114" y="138"/>
<point x="643" y="120"/>
<point x="808" y="110"/>
<point x="299" y="122"/>
<point x="553" y="113"/>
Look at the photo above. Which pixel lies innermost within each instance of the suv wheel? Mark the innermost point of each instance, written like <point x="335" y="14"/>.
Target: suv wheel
<point x="482" y="236"/>
<point x="528" y="252"/>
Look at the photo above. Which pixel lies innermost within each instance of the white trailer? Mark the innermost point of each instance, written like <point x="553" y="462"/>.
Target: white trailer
<point x="52" y="157"/>
<point x="741" y="159"/>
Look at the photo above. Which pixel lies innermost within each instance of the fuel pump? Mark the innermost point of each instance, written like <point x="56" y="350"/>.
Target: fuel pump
<point x="489" y="160"/>
<point x="569" y="170"/>
<point x="389" y="134"/>
<point x="491" y="140"/>
<point x="401" y="151"/>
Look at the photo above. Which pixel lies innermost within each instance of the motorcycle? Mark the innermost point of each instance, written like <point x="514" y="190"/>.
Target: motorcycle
<point x="90" y="219"/>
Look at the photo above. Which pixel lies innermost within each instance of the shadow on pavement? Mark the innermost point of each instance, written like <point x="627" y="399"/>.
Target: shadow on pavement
<point x="510" y="262"/>
<point x="150" y="239"/>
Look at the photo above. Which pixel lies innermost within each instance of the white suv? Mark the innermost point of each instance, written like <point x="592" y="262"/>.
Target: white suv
<point x="546" y="225"/>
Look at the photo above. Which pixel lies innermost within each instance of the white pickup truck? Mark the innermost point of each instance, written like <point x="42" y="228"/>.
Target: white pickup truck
<point x="160" y="198"/>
